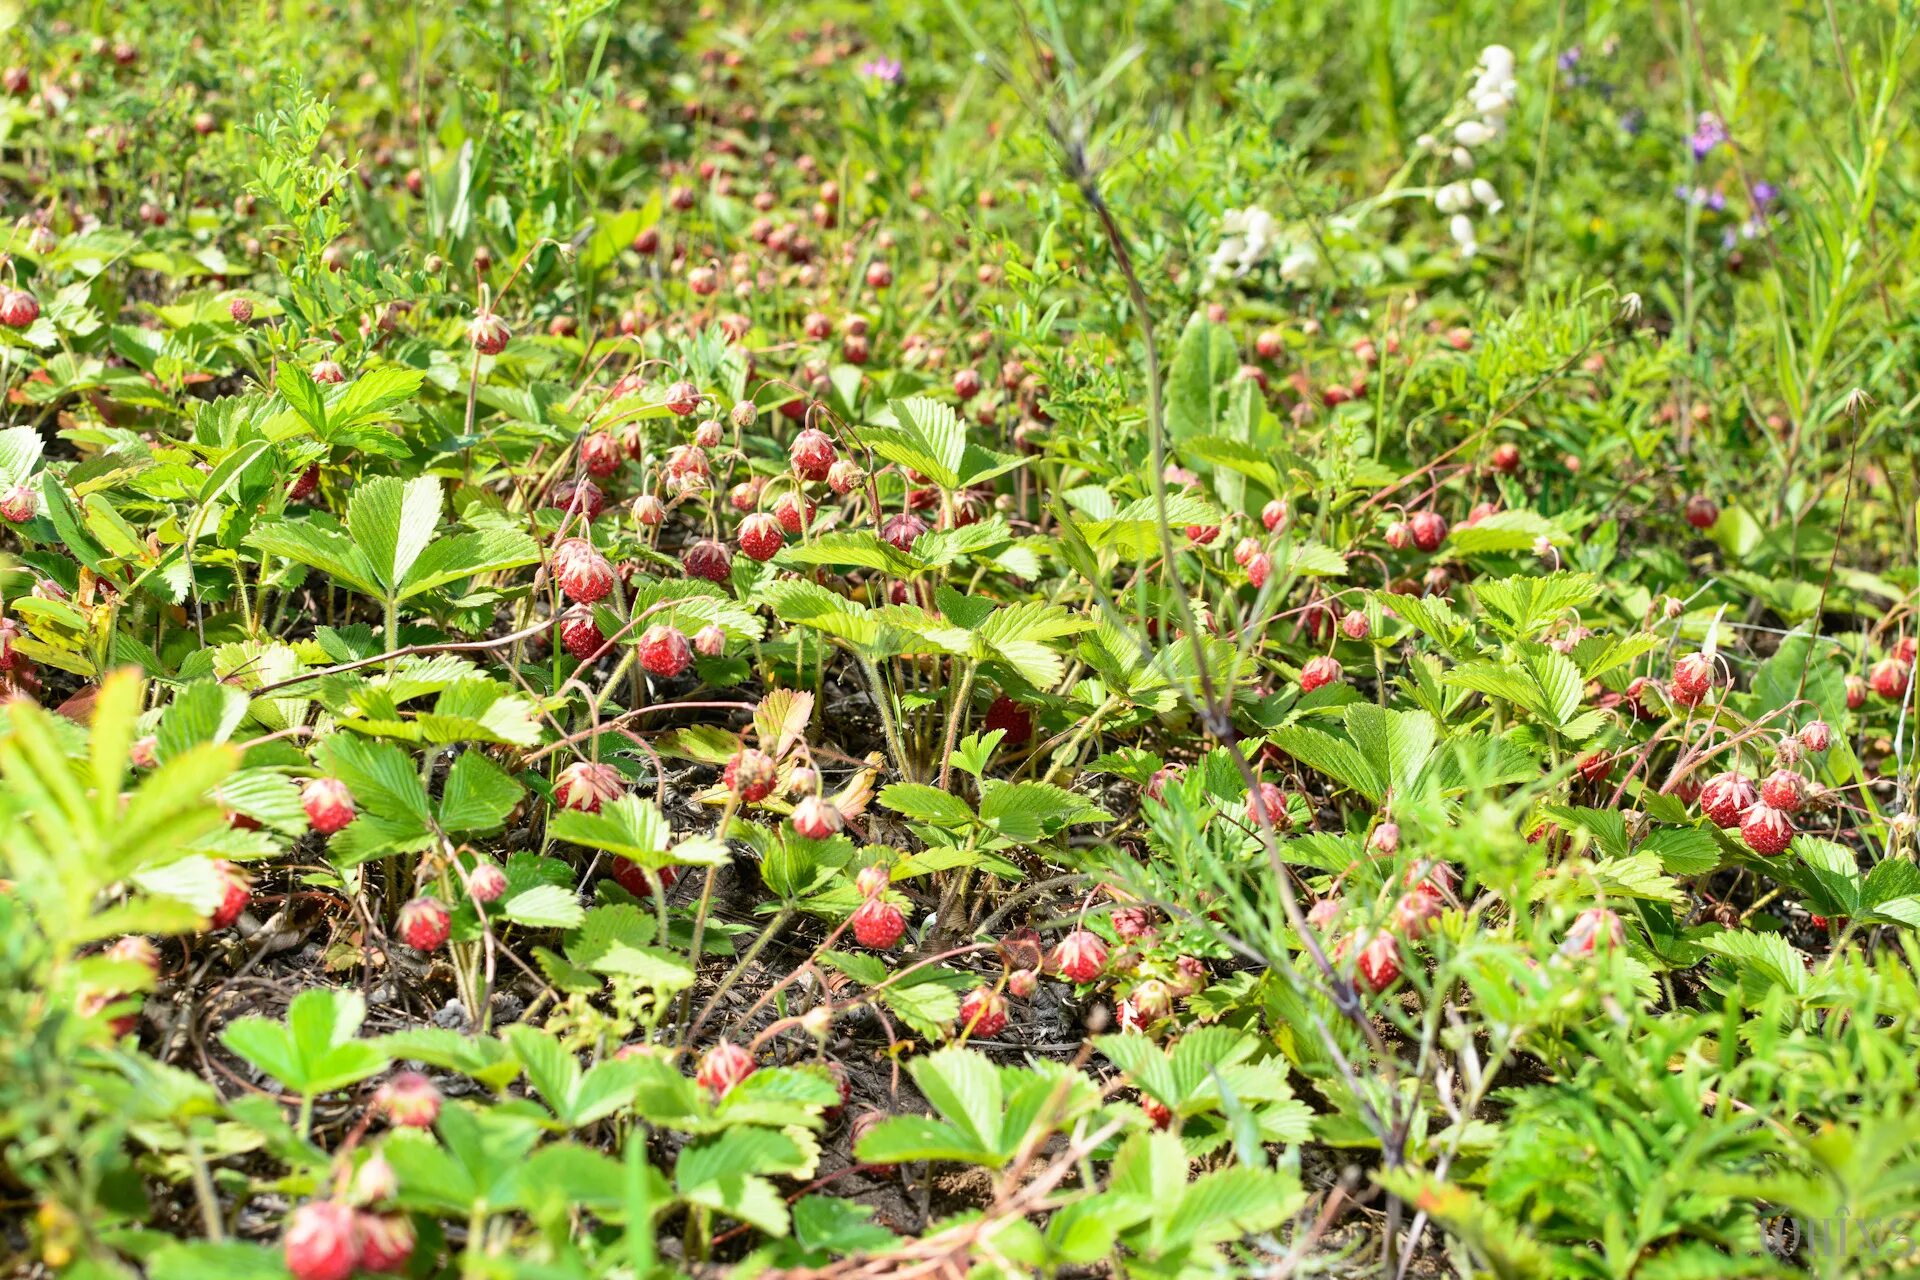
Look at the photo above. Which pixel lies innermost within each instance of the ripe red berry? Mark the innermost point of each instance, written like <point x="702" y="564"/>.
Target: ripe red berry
<point x="1784" y="790"/>
<point x="424" y="923"/>
<point x="18" y="505"/>
<point x="386" y="1241"/>
<point x="586" y="785"/>
<point x="1693" y="677"/>
<point x="1766" y="830"/>
<point x="1816" y="735"/>
<point x="648" y="511"/>
<point x="1889" y="678"/>
<point x="329" y="372"/>
<point x="760" y="536"/>
<point x="580" y="633"/>
<point x="1856" y="693"/>
<point x="1505" y="458"/>
<point x="488" y="333"/>
<point x="1273" y="801"/>
<point x="664" y="651"/>
<point x="328" y="803"/>
<point x="724" y="1066"/>
<point x="683" y="398"/>
<point x="983" y="1013"/>
<point x="1726" y="798"/>
<point x="1702" y="512"/>
<point x="582" y="496"/>
<point x="236" y="890"/>
<point x="812" y="454"/>
<point x="1274" y="514"/>
<point x="1202" y="535"/>
<point x="794" y="512"/>
<point x="1429" y="530"/>
<point x="877" y="923"/>
<point x="322" y="1242"/>
<point x="707" y="559"/>
<point x="409" y="1101"/>
<point x="1378" y="965"/>
<point x="1009" y="716"/>
<point x="1079" y="957"/>
<point x="1319" y="672"/>
<point x="1592" y="928"/>
<point x="901" y="530"/>
<point x="632" y="877"/>
<point x="18" y="308"/>
<point x="879" y="275"/>
<point x="844" y="475"/>
<point x="816" y="818"/>
<point x="1259" y="569"/>
<point x="601" y="455"/>
<point x="750" y="775"/>
<point x="583" y="573"/>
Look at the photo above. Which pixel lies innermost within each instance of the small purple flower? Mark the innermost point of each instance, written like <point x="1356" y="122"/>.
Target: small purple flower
<point x="1632" y="120"/>
<point x="1708" y="133"/>
<point x="1764" y="196"/>
<point x="1570" y="58"/>
<point x="1701" y="197"/>
<point x="886" y="70"/>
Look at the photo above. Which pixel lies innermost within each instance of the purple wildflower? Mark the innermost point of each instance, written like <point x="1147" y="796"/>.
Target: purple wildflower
<point x="886" y="70"/>
<point x="1708" y="133"/>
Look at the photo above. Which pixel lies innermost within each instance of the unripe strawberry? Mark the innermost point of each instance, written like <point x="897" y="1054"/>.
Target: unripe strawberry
<point x="374" y="1181"/>
<point x="1022" y="983"/>
<point x="760" y="536"/>
<point x="794" y="512"/>
<point x="1319" y="672"/>
<point x="879" y="275"/>
<point x="750" y="775"/>
<point x="664" y="651"/>
<point x="236" y="890"/>
<point x="1765" y="829"/>
<point x="966" y="383"/>
<point x="812" y="454"/>
<point x="586" y="785"/>
<point x="18" y="308"/>
<point x="601" y="455"/>
<point x="1429" y="530"/>
<point x="687" y="468"/>
<point x="1784" y="790"/>
<point x="1593" y="928"/>
<point x="329" y="372"/>
<point x="17" y="80"/>
<point x="877" y="923"/>
<point x="386" y="1242"/>
<point x="816" y="818"/>
<point x="488" y="333"/>
<point x="844" y="475"/>
<point x="724" y="1066"/>
<point x="1244" y="550"/>
<point x="648" y="511"/>
<point x="1856" y="693"/>
<point x="1726" y="797"/>
<point x="1385" y="839"/>
<point x="328" y="803"/>
<point x="683" y="398"/>
<point x="1906" y="648"/>
<point x="424" y="923"/>
<point x="901" y="530"/>
<point x="1272" y="801"/>
<point x="1269" y="344"/>
<point x="707" y="559"/>
<point x="1079" y="957"/>
<point x="983" y="1013"/>
<point x="1325" y="914"/>
<point x="1274" y="515"/>
<point x="584" y="575"/>
<point x="1816" y="736"/>
<point x="646" y="240"/>
<point x="134" y="949"/>
<point x="241" y="310"/>
<point x="1889" y="678"/>
<point x="1259" y="569"/>
<point x="1505" y="458"/>
<point x="582" y="496"/>
<point x="817" y="326"/>
<point x="409" y="1100"/>
<point x="580" y="633"/>
<point x="710" y="641"/>
<point x="1399" y="534"/>
<point x="1009" y="716"/>
<point x="709" y="434"/>
<point x="872" y="879"/>
<point x="1415" y="911"/>
<point x="322" y="1242"/>
<point x="1378" y="965"/>
<point x="1693" y="677"/>
<point x="18" y="504"/>
<point x="486" y="882"/>
<point x="1702" y="512"/>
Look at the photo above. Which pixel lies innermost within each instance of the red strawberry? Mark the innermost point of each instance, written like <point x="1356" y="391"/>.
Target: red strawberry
<point x="794" y="512"/>
<point x="1079" y="957"/>
<point x="584" y="575"/>
<point x="1726" y="798"/>
<point x="424" y="923"/>
<point x="386" y="1242"/>
<point x="1505" y="458"/>
<point x="1378" y="965"/>
<point x="18" y="308"/>
<point x="1702" y="512"/>
<point x="812" y="454"/>
<point x="629" y="876"/>
<point x="817" y="818"/>
<point x="877" y="923"/>
<point x="586" y="785"/>
<point x="305" y="486"/>
<point x="1816" y="735"/>
<point x="1022" y="983"/>
<point x="843" y="475"/>
<point x="1784" y="790"/>
<point x="17" y="505"/>
<point x="1274" y="514"/>
<point x="879" y="275"/>
<point x="328" y="803"/>
<point x="966" y="384"/>
<point x="1202" y="534"/>
<point x="1429" y="530"/>
<point x="902" y="529"/>
<point x="683" y="398"/>
<point x="664" y="651"/>
<point x="321" y="1241"/>
<point x="1856" y="693"/>
<point x="583" y="496"/>
<point x="1318" y="672"/>
<point x="1355" y="626"/>
<point x="1133" y="923"/>
<point x="750" y="775"/>
<point x="1594" y="766"/>
<point x="724" y="1066"/>
<point x="1590" y="929"/>
<point x="580" y="633"/>
<point x="1273" y="801"/>
<point x="983" y="1013"/>
<point x="707" y="559"/>
<point x="409" y="1100"/>
<point x="1259" y="569"/>
<point x="488" y="333"/>
<point x="235" y="893"/>
<point x="760" y="536"/>
<point x="1693" y="677"/>
<point x="1007" y="715"/>
<point x="1766" y="829"/>
<point x="1889" y="678"/>
<point x="601" y="454"/>
<point x="648" y="511"/>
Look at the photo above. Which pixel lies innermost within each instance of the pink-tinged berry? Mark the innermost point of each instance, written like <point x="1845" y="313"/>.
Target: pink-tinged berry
<point x="584" y="575"/>
<point x="1022" y="983"/>
<point x="900" y="530"/>
<point x="872" y="879"/>
<point x="582" y="496"/>
<point x="1415" y="911"/>
<point x="794" y="512"/>
<point x="485" y="883"/>
<point x="18" y="308"/>
<point x="1010" y="717"/>
<point x="1702" y="512"/>
<point x="812" y="454"/>
<point x="424" y="923"/>
<point x="664" y="651"/>
<point x="488" y="333"/>
<point x="134" y="949"/>
<point x="1355" y="626"/>
<point x="683" y="398"/>
<point x="1429" y="530"/>
<point x="724" y="1066"/>
<point x="18" y="504"/>
<point x="1591" y="929"/>
<point x="1693" y="678"/>
<point x="707" y="559"/>
<point x="1816" y="736"/>
<point x="1319" y="672"/>
<point x="236" y="891"/>
<point x="1726" y="797"/>
<point x="710" y="641"/>
<point x="386" y="1242"/>
<point x="743" y="414"/>
<point x="750" y="775"/>
<point x="966" y="384"/>
<point x="409" y="1101"/>
<point x="328" y="803"/>
<point x="687" y="468"/>
<point x="1856" y="693"/>
<point x="241" y="310"/>
<point x="1133" y="924"/>
<point x="1152" y="1000"/>
<point x="1274" y="515"/>
<point x="1385" y="839"/>
<point x="1259" y="569"/>
<point x="1245" y="550"/>
<point x="1889" y="678"/>
<point x="1399" y="535"/>
<point x="816" y="818"/>
<point x="1271" y="800"/>
<point x="879" y="275"/>
<point x="844" y="475"/>
<point x="580" y="633"/>
<point x="983" y="1013"/>
<point x="877" y="923"/>
<point x="586" y="785"/>
<point x="601" y="455"/>
<point x="329" y="372"/>
<point x="1079" y="957"/>
<point x="1505" y="458"/>
<point x="1785" y="790"/>
<point x="760" y="536"/>
<point x="1325" y="914"/>
<point x="322" y="1242"/>
<point x="1766" y="830"/>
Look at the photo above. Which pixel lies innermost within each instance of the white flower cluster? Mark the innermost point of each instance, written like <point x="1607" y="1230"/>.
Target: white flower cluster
<point x="1247" y="236"/>
<point x="1481" y="118"/>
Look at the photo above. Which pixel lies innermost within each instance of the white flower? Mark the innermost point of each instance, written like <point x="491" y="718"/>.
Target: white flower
<point x="1425" y="142"/>
<point x="1462" y="158"/>
<point x="1472" y="133"/>
<point x="1497" y="59"/>
<point x="1298" y="266"/>
<point x="1460" y="226"/>
<point x="1491" y="103"/>
<point x="1455" y="197"/>
<point x="1483" y="192"/>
